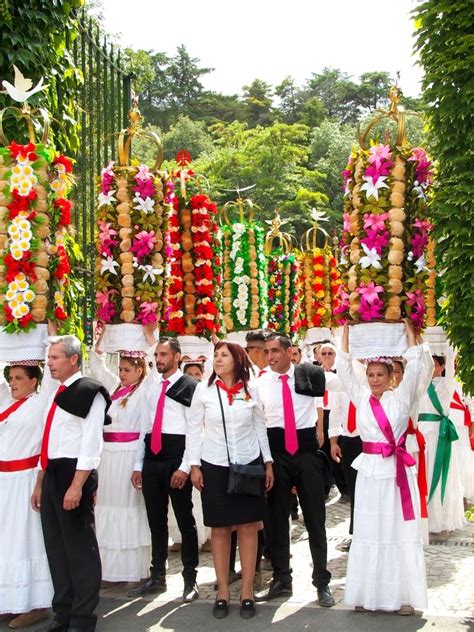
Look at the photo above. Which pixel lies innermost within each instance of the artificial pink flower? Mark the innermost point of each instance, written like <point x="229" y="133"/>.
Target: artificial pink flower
<point x="145" y="188"/>
<point x="143" y="243"/>
<point x="370" y="311"/>
<point x="376" y="222"/>
<point x="378" y="153"/>
<point x="370" y="292"/>
<point x="143" y="173"/>
<point x="375" y="240"/>
<point x="376" y="172"/>
<point x="423" y="224"/>
<point x="419" y="241"/>
<point x="147" y="313"/>
<point x="347" y="222"/>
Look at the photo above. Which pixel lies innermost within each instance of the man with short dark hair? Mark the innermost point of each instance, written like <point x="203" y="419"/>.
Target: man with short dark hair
<point x="291" y="395"/>
<point x="66" y="487"/>
<point x="161" y="469"/>
<point x="255" y="348"/>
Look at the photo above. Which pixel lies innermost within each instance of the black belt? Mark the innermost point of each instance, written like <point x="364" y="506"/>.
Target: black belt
<point x="172" y="447"/>
<point x="306" y="440"/>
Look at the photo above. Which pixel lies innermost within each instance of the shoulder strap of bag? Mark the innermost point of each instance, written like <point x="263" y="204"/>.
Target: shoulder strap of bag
<point x="223" y="421"/>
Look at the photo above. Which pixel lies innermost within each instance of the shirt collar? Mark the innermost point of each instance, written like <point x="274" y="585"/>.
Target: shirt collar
<point x="73" y="378"/>
<point x="290" y="372"/>
<point x="172" y="379"/>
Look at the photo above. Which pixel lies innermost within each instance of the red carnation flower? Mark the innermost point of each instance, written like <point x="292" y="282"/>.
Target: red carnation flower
<point x="60" y="314"/>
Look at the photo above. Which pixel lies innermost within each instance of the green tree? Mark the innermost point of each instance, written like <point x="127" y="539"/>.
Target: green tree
<point x="372" y="92"/>
<point x="258" y="97"/>
<point x="34" y="37"/>
<point x="446" y="46"/>
<point x="140" y="65"/>
<point x="330" y="146"/>
<point x="187" y="134"/>
<point x="337" y="92"/>
<point x="275" y="160"/>
<point x="291" y="99"/>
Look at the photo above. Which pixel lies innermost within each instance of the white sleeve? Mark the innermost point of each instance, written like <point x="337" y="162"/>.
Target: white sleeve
<point x="407" y="393"/>
<point x="349" y="382"/>
<point x="101" y="372"/>
<point x="195" y="427"/>
<point x="260" y="427"/>
<point x="92" y="429"/>
<point x="335" y="415"/>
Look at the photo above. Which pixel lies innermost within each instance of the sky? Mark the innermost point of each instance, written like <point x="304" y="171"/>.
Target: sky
<point x="245" y="40"/>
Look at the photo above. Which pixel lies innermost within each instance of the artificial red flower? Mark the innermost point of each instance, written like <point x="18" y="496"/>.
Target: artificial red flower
<point x="14" y="267"/>
<point x="63" y="267"/>
<point x="64" y="207"/>
<point x="24" y="321"/>
<point x="24" y="151"/>
<point x="203" y="252"/>
<point x="8" y="314"/>
<point x="62" y="160"/>
<point x="318" y="260"/>
<point x="60" y="314"/>
<point x="20" y="203"/>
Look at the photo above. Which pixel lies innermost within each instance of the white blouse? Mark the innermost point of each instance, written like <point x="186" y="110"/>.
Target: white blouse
<point x="396" y="404"/>
<point x="245" y="426"/>
<point x="124" y="418"/>
<point x="21" y="432"/>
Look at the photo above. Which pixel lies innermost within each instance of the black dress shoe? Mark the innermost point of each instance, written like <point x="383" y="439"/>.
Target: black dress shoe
<point x="149" y="587"/>
<point x="54" y="626"/>
<point x="325" y="599"/>
<point x="247" y="608"/>
<point x="276" y="589"/>
<point x="190" y="593"/>
<point x="220" y="609"/>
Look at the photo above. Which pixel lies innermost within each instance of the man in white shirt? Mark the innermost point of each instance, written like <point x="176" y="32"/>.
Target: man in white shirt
<point x="161" y="469"/>
<point x="291" y="396"/>
<point x="327" y="357"/>
<point x="66" y="486"/>
<point x="255" y="348"/>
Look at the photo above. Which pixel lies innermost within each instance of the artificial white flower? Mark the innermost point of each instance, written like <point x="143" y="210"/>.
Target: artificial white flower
<point x="106" y="198"/>
<point x="151" y="273"/>
<point x="146" y="205"/>
<point x="372" y="258"/>
<point x="371" y="188"/>
<point x="108" y="265"/>
<point x="238" y="229"/>
<point x="420" y="264"/>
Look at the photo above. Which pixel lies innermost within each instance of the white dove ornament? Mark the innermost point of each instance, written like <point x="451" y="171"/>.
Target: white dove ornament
<point x="21" y="89"/>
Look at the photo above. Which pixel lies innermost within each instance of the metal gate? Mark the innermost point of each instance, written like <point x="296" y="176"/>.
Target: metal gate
<point x="103" y="99"/>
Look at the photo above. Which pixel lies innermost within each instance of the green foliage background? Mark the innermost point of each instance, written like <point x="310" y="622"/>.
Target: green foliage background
<point x="35" y="37"/>
<point x="445" y="41"/>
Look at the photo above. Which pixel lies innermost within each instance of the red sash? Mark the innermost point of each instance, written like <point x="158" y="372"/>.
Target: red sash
<point x="457" y="404"/>
<point x="19" y="464"/>
<point x="11" y="409"/>
<point x="421" y="476"/>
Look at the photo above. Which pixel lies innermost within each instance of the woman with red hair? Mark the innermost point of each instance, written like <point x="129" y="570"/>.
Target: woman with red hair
<point x="228" y="426"/>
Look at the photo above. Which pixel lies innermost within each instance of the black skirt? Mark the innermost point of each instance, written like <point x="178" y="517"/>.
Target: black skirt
<point x="221" y="509"/>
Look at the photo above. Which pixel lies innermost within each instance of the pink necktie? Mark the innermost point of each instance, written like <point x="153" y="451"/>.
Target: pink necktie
<point x="158" y="423"/>
<point x="291" y="438"/>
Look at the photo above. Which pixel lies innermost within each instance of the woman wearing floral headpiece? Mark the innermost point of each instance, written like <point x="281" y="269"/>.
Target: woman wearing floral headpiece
<point x="26" y="590"/>
<point x="121" y="522"/>
<point x="386" y="567"/>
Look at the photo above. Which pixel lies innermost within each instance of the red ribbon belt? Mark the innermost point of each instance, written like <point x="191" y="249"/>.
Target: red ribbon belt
<point x="120" y="437"/>
<point x="421" y="477"/>
<point x="457" y="404"/>
<point x="20" y="464"/>
<point x="11" y="409"/>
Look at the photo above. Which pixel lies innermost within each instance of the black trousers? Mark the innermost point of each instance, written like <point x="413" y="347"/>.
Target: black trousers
<point x="304" y="471"/>
<point x="337" y="469"/>
<point x="351" y="447"/>
<point x="71" y="546"/>
<point x="157" y="475"/>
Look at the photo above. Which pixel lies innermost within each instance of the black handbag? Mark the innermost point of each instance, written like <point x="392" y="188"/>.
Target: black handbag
<point x="244" y="480"/>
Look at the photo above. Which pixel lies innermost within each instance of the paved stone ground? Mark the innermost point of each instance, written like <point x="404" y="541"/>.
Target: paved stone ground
<point x="450" y="571"/>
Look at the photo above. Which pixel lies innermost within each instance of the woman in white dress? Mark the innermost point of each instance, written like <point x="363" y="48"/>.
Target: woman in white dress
<point x="461" y="416"/>
<point x="122" y="526"/>
<point x="25" y="582"/>
<point x="445" y="505"/>
<point x="386" y="567"/>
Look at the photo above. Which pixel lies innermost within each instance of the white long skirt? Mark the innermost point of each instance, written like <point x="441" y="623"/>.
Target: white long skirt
<point x="25" y="580"/>
<point x="386" y="567"/>
<point x="203" y="532"/>
<point x="121" y="522"/>
<point x="449" y="514"/>
<point x="465" y="456"/>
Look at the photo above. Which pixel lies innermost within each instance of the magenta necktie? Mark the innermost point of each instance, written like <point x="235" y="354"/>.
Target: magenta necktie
<point x="291" y="438"/>
<point x="158" y="423"/>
